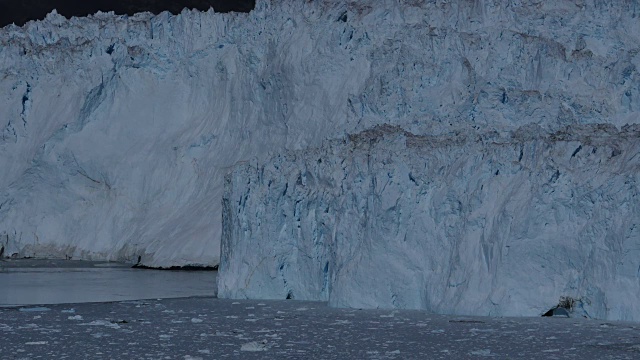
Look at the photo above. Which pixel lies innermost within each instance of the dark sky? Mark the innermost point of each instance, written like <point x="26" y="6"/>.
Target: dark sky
<point x="21" y="11"/>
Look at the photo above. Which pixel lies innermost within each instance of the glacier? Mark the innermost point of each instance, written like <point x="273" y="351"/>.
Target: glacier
<point x="117" y="133"/>
<point x="116" y="130"/>
<point x="472" y="223"/>
<point x="488" y="166"/>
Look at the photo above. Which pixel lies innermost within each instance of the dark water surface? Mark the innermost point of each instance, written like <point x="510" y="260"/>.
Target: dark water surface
<point x="31" y="282"/>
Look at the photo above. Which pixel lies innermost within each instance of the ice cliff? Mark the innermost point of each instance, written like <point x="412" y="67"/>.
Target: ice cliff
<point x="469" y="223"/>
<point x="117" y="131"/>
<point x="504" y="181"/>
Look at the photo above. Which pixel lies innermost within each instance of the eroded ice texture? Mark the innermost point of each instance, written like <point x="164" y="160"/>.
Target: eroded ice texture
<point x="471" y="223"/>
<point x="116" y="132"/>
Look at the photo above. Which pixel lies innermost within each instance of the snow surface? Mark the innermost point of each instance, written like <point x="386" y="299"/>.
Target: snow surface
<point x="116" y="131"/>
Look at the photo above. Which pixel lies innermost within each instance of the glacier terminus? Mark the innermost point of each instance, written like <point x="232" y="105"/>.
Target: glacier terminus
<point x="464" y="157"/>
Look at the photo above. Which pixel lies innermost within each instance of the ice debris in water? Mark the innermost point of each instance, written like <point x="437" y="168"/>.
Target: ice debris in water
<point x="34" y="309"/>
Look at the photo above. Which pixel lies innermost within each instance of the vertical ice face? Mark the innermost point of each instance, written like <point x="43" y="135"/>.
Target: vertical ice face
<point x="116" y="132"/>
<point x="473" y="223"/>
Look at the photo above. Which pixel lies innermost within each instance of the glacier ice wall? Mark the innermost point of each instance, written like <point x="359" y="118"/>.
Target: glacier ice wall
<point x="471" y="223"/>
<point x="116" y="131"/>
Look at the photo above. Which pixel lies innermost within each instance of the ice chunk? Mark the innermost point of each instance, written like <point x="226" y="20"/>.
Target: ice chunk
<point x="255" y="346"/>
